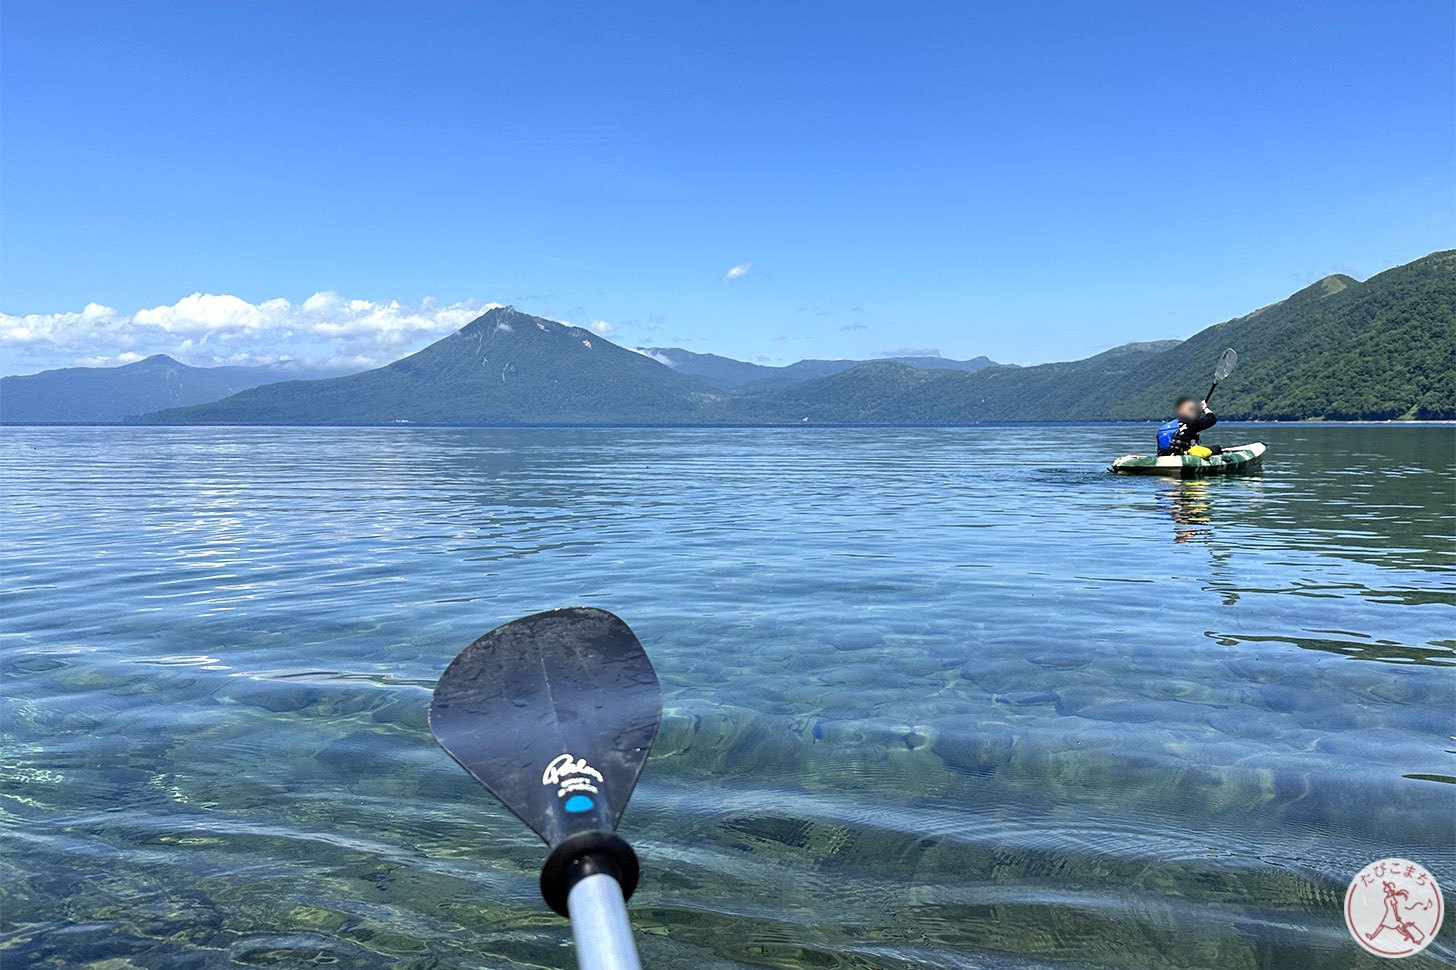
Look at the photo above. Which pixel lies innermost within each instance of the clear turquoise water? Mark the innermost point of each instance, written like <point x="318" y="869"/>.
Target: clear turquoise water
<point x="934" y="698"/>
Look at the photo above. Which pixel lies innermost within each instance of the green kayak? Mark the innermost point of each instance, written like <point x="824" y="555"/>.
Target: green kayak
<point x="1242" y="458"/>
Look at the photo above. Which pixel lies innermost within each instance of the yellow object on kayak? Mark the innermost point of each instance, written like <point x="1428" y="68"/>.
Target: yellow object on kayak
<point x="1198" y="451"/>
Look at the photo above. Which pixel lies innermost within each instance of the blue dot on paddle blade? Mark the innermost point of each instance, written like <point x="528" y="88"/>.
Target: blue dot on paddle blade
<point x="579" y="803"/>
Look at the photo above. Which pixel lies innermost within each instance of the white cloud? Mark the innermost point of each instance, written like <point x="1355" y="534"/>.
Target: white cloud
<point x="129" y="357"/>
<point x="660" y="358"/>
<point x="737" y="272"/>
<point x="327" y="329"/>
<point x="600" y="326"/>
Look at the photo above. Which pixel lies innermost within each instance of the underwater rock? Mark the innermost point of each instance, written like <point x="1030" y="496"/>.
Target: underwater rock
<point x="1027" y="698"/>
<point x="1060" y="661"/>
<point x="301" y="950"/>
<point x="857" y="639"/>
<point x="356" y="753"/>
<point x="979" y="749"/>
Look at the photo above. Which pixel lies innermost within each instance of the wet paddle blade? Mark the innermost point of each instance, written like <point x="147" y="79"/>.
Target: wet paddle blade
<point x="1227" y="361"/>
<point x="553" y="713"/>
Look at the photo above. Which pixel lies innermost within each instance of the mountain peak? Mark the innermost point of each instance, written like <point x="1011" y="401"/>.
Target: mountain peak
<point x="495" y="314"/>
<point x="1139" y="347"/>
<point x="504" y="367"/>
<point x="507" y="320"/>
<point x="86" y="395"/>
<point x="1323" y="288"/>
<point x="1336" y="282"/>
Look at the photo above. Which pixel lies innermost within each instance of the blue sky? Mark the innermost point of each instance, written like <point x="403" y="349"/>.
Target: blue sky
<point x="1031" y="181"/>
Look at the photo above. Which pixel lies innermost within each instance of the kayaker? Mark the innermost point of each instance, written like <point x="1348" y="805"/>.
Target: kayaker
<point x="1180" y="435"/>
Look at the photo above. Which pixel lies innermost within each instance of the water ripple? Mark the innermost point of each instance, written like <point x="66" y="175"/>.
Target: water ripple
<point x="934" y="698"/>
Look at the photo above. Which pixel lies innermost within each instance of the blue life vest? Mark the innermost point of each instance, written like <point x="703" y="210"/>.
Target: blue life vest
<point x="1166" y="431"/>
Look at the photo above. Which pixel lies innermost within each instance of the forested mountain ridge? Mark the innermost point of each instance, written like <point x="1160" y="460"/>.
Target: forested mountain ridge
<point x="730" y="373"/>
<point x="1337" y="349"/>
<point x="1384" y="348"/>
<point x="82" y="395"/>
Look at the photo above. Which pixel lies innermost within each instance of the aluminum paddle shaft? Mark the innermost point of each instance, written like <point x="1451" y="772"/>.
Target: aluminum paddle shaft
<point x="599" y="925"/>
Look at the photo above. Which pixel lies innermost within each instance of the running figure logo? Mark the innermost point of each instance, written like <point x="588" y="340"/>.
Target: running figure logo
<point x="1393" y="908"/>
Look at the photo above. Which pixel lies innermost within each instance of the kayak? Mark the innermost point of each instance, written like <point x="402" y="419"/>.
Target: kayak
<point x="1243" y="458"/>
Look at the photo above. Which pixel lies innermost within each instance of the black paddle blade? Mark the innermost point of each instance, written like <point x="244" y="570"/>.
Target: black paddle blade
<point x="1227" y="361"/>
<point x="555" y="714"/>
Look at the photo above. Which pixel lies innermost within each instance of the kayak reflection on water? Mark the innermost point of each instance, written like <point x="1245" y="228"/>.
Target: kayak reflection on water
<point x="1190" y="504"/>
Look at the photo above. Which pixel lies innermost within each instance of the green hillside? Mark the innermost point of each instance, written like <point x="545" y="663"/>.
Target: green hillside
<point x="854" y="396"/>
<point x="1339" y="349"/>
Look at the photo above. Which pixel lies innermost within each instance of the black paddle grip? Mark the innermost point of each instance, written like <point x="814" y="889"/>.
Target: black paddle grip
<point x="586" y="854"/>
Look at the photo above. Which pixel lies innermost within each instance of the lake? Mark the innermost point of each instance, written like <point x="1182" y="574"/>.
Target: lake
<point x="934" y="698"/>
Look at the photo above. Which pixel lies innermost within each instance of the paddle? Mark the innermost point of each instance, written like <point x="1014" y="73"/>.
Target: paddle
<point x="1226" y="363"/>
<point x="554" y="713"/>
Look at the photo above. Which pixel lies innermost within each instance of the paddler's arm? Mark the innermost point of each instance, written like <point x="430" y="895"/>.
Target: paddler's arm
<point x="1201" y="424"/>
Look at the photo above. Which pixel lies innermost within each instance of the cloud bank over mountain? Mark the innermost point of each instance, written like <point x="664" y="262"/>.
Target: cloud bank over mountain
<point x="326" y="330"/>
